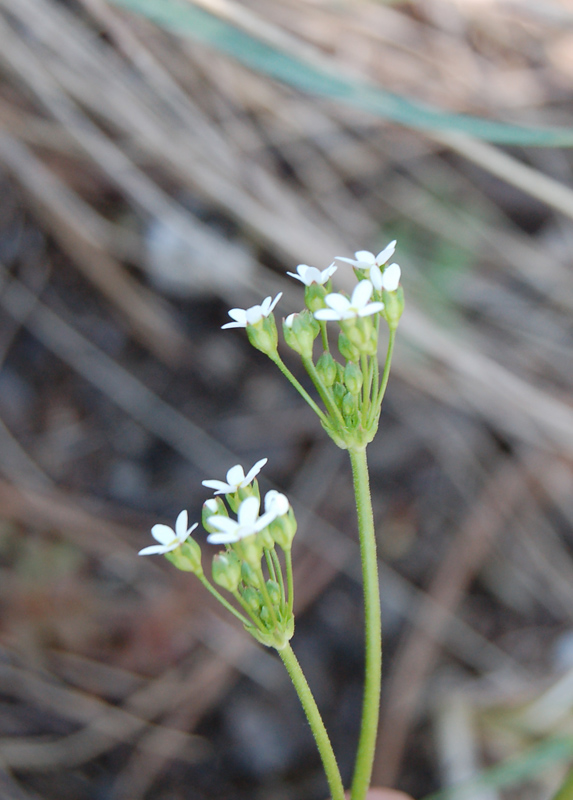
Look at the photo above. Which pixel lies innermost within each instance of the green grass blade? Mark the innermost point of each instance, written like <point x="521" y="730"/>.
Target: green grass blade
<point x="185" y="19"/>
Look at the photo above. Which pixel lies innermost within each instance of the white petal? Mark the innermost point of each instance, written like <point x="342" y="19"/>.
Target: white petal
<point x="312" y="275"/>
<point x="248" y="511"/>
<point x="347" y="260"/>
<point x="254" y="471"/>
<point x="391" y="277"/>
<point x="361" y="294"/>
<point x="371" y="308"/>
<point x="254" y="314"/>
<point x="265" y="306"/>
<point x="276" y="503"/>
<point x="328" y="273"/>
<point x="365" y="256"/>
<point x="326" y="314"/>
<point x="232" y="325"/>
<point x="153" y="550"/>
<point x="263" y="521"/>
<point x="239" y="315"/>
<point x="338" y="302"/>
<point x="223" y="523"/>
<point x="220" y="486"/>
<point x="385" y="254"/>
<point x="273" y="304"/>
<point x="181" y="524"/>
<point x="163" y="533"/>
<point x="235" y="475"/>
<point x="222" y="538"/>
<point x="376" y="277"/>
<point x="289" y="320"/>
<point x="294" y="275"/>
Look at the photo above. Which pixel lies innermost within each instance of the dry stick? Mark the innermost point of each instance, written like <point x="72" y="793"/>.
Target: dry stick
<point x="420" y="647"/>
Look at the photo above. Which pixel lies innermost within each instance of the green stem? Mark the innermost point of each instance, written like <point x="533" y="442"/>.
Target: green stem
<point x="255" y="620"/>
<point x="385" y="376"/>
<point x="222" y="600"/>
<point x="324" y="334"/>
<point x="315" y="721"/>
<point x="565" y="791"/>
<point x="266" y="597"/>
<point x="270" y="564"/>
<point x="373" y="631"/>
<point x="276" y="359"/>
<point x="279" y="574"/>
<point x="290" y="580"/>
<point x="324" y="393"/>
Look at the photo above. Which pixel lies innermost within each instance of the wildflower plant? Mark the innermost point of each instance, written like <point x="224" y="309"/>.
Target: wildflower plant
<point x="337" y="338"/>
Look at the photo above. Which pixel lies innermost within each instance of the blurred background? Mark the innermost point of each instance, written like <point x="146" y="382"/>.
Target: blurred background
<point x="164" y="160"/>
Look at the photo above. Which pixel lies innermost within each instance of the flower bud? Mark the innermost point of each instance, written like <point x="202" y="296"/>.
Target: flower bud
<point x="283" y="530"/>
<point x="346" y="349"/>
<point x="359" y="333"/>
<point x="249" y="550"/>
<point x="187" y="557"/>
<point x="249" y="575"/>
<point x="339" y="391"/>
<point x="353" y="378"/>
<point x="226" y="570"/>
<point x="265" y="616"/>
<point x="300" y="331"/>
<point x="252" y="598"/>
<point x="314" y="296"/>
<point x="264" y="539"/>
<point x="393" y="306"/>
<point x="274" y="592"/>
<point x="264" y="336"/>
<point x="326" y="368"/>
<point x="214" y="507"/>
<point x="349" y="405"/>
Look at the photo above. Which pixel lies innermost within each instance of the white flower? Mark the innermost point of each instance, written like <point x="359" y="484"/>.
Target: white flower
<point x="252" y="315"/>
<point x="364" y="259"/>
<point x="308" y="275"/>
<point x="236" y="478"/>
<point x="389" y="279"/>
<point x="276" y="503"/>
<point x="169" y="539"/>
<point x="247" y="523"/>
<point x="343" y="308"/>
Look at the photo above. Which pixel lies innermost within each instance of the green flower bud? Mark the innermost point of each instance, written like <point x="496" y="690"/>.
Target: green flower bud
<point x="249" y="575"/>
<point x="264" y="539"/>
<point x="353" y="378"/>
<point x="211" y="508"/>
<point x="326" y="368"/>
<point x="264" y="335"/>
<point x="349" y="405"/>
<point x="346" y="349"/>
<point x="283" y="529"/>
<point x="359" y="333"/>
<point x="187" y="557"/>
<point x="265" y="616"/>
<point x="226" y="570"/>
<point x="249" y="550"/>
<point x="252" y="598"/>
<point x="300" y="331"/>
<point x="314" y="296"/>
<point x="274" y="592"/>
<point x="393" y="306"/>
<point x="339" y="391"/>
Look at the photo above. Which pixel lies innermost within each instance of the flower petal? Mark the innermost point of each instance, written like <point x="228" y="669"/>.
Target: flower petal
<point x="371" y="308"/>
<point x="276" y="503"/>
<point x="326" y="314"/>
<point x="255" y="313"/>
<point x="338" y="302"/>
<point x="220" y="486"/>
<point x="365" y="257"/>
<point x="163" y="533"/>
<point x="154" y="549"/>
<point x="376" y="277"/>
<point x="385" y="254"/>
<point x="248" y="511"/>
<point x="223" y="523"/>
<point x="235" y="475"/>
<point x="181" y="525"/>
<point x="239" y="315"/>
<point x="222" y="538"/>
<point x="391" y="277"/>
<point x="361" y="294"/>
<point x="273" y="304"/>
<point x="255" y="469"/>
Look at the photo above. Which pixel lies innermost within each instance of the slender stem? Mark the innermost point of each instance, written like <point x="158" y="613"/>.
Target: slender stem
<point x="279" y="574"/>
<point x="315" y="721"/>
<point x="324" y="393"/>
<point x="565" y="791"/>
<point x="386" y="372"/>
<point x="266" y="597"/>
<point x="270" y="564"/>
<point x="300" y="389"/>
<point x="290" y="580"/>
<point x="373" y="632"/>
<point x="324" y="334"/>
<point x="256" y="621"/>
<point x="222" y="600"/>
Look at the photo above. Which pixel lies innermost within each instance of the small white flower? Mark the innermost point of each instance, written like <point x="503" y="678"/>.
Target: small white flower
<point x="236" y="478"/>
<point x="276" y="503"/>
<point x="247" y="523"/>
<point x="389" y="279"/>
<point x="252" y="315"/>
<point x="364" y="259"/>
<point x="358" y="306"/>
<point x="168" y="538"/>
<point x="308" y="275"/>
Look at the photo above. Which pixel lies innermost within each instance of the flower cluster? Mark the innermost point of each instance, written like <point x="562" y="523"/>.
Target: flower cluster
<point x="351" y="389"/>
<point x="250" y="540"/>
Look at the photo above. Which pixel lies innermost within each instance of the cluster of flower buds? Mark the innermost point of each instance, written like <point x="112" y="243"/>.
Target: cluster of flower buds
<point x="351" y="388"/>
<point x="249" y="568"/>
